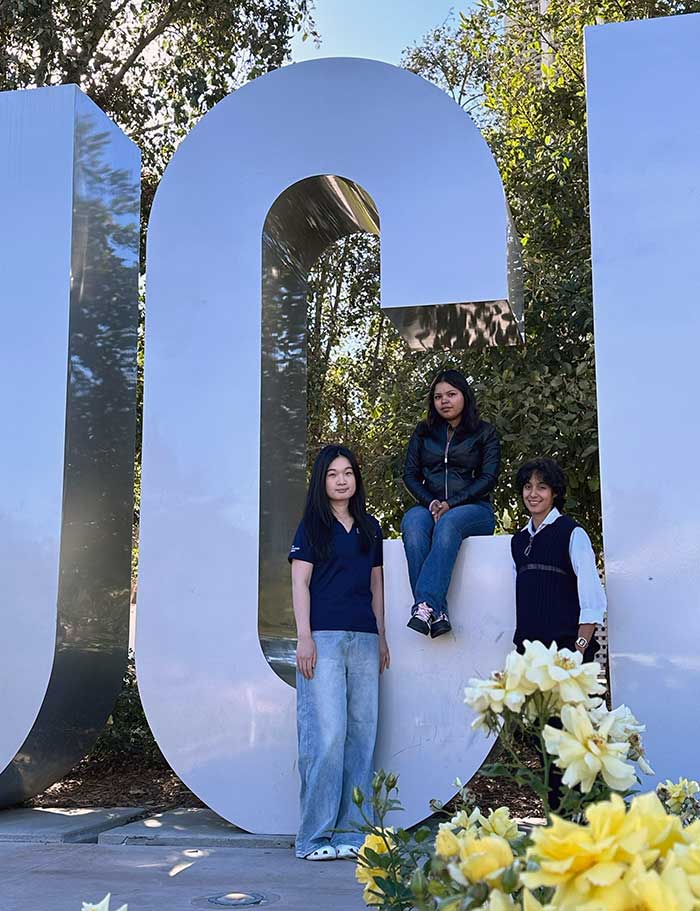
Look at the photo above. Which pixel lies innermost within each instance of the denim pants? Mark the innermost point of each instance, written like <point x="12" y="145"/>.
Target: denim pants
<point x="337" y="728"/>
<point x="432" y="547"/>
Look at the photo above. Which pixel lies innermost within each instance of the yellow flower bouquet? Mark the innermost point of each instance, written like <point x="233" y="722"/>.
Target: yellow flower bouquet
<point x="603" y="850"/>
<point x="550" y="698"/>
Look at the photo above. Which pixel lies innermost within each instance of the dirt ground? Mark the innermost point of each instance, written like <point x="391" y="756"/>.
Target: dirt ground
<point x="107" y="783"/>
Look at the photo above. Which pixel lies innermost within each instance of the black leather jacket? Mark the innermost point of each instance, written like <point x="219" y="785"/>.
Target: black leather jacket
<point x="465" y="471"/>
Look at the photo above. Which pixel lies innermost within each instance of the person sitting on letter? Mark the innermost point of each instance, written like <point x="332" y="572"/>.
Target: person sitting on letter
<point x="452" y="465"/>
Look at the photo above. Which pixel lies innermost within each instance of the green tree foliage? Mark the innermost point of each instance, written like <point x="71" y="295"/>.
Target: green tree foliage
<point x="520" y="73"/>
<point x="155" y="66"/>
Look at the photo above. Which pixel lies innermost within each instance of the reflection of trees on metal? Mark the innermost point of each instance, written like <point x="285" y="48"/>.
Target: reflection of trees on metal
<point x="304" y="221"/>
<point x="92" y="263"/>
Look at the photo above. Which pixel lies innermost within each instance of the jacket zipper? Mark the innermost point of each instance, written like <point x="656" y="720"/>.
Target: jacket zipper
<point x="447" y="446"/>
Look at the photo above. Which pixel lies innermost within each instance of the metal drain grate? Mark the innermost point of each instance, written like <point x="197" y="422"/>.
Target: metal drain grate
<point x="238" y="899"/>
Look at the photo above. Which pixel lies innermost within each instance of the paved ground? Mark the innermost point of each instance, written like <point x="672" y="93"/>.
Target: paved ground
<point x="58" y="877"/>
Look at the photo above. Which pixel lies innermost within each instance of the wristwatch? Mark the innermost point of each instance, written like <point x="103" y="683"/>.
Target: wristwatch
<point x="581" y="642"/>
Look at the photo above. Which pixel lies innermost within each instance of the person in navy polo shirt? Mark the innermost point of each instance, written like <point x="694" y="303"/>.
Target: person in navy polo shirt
<point x="338" y="596"/>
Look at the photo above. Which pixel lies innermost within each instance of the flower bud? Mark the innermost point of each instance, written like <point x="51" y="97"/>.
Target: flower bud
<point x="479" y="893"/>
<point x="419" y="884"/>
<point x="510" y="881"/>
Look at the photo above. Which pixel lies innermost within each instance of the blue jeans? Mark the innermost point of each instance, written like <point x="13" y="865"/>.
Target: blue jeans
<point x="432" y="547"/>
<point x="337" y="727"/>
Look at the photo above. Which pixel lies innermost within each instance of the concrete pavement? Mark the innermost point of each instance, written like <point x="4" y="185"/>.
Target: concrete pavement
<point x="58" y="877"/>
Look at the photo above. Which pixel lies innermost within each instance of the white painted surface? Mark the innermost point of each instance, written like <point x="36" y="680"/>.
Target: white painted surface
<point x="644" y="154"/>
<point x="34" y="344"/>
<point x="224" y="720"/>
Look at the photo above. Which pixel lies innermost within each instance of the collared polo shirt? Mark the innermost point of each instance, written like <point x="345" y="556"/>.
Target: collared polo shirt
<point x="341" y="598"/>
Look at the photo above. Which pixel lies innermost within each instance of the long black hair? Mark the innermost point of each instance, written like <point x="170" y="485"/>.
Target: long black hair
<point x="318" y="515"/>
<point x="470" y="415"/>
<point x="550" y="472"/>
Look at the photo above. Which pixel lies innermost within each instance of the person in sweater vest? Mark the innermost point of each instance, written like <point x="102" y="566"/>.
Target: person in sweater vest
<point x="558" y="594"/>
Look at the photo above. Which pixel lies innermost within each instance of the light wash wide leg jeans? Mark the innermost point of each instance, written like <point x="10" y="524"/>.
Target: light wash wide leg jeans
<point x="337" y="729"/>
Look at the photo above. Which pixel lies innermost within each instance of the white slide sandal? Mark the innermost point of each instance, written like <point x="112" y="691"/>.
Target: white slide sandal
<point x="327" y="852"/>
<point x="347" y="852"/>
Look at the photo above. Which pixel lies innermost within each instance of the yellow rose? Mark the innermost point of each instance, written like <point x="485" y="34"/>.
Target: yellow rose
<point x="506" y="689"/>
<point x="584" y="752"/>
<point x="466" y="821"/>
<point x="499" y="901"/>
<point x="561" y="672"/>
<point x="576" y="858"/>
<point x="658" y="830"/>
<point x="679" y="791"/>
<point x="446" y="842"/>
<point x="530" y="903"/>
<point x="665" y="891"/>
<point x="639" y="859"/>
<point x="562" y="850"/>
<point x="688" y="859"/>
<point x="481" y="860"/>
<point x="499" y="822"/>
<point x="365" y="872"/>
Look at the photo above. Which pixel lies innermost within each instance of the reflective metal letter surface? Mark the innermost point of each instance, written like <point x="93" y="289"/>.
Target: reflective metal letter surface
<point x="370" y="144"/>
<point x="644" y="155"/>
<point x="69" y="225"/>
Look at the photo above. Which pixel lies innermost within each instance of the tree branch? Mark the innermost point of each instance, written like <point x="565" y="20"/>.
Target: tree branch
<point x="146" y="38"/>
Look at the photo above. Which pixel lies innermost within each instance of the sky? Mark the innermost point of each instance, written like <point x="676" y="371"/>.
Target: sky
<point x="380" y="29"/>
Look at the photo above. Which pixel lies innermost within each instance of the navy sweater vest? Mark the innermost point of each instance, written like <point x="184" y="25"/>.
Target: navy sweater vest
<point x="546" y="591"/>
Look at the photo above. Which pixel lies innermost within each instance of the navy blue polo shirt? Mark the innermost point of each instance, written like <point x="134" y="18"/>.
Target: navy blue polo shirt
<point x="341" y="598"/>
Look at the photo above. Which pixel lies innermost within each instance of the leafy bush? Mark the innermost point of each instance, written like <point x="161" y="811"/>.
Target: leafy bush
<point x="127" y="733"/>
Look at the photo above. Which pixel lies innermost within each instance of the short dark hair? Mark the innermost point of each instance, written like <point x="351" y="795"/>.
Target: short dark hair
<point x="550" y="472"/>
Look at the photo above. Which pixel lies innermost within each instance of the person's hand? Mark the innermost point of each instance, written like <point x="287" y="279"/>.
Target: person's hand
<point x="442" y="508"/>
<point x="434" y="506"/>
<point x="306" y="656"/>
<point x="384" y="656"/>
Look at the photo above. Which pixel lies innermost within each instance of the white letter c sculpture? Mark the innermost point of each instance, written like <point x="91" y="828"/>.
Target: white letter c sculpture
<point x="303" y="155"/>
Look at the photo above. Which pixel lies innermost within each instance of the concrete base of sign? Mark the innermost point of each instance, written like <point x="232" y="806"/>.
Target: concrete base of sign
<point x="189" y="828"/>
<point x="46" y="826"/>
<point x="168" y="878"/>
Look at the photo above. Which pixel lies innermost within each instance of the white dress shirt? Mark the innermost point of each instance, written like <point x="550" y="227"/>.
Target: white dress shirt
<point x="590" y="592"/>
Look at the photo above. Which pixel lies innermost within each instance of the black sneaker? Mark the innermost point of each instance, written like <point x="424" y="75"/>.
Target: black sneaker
<point x="440" y="626"/>
<point x="421" y="619"/>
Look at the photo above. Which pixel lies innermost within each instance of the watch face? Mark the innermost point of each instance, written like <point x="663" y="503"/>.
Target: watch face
<point x="581" y="642"/>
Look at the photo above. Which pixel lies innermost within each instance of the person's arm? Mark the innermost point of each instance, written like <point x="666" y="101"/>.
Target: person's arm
<point x="590" y="591"/>
<point x="376" y="584"/>
<point x="586" y="630"/>
<point x="413" y="474"/>
<point x="377" y="588"/>
<point x="301" y="599"/>
<point x="486" y="479"/>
